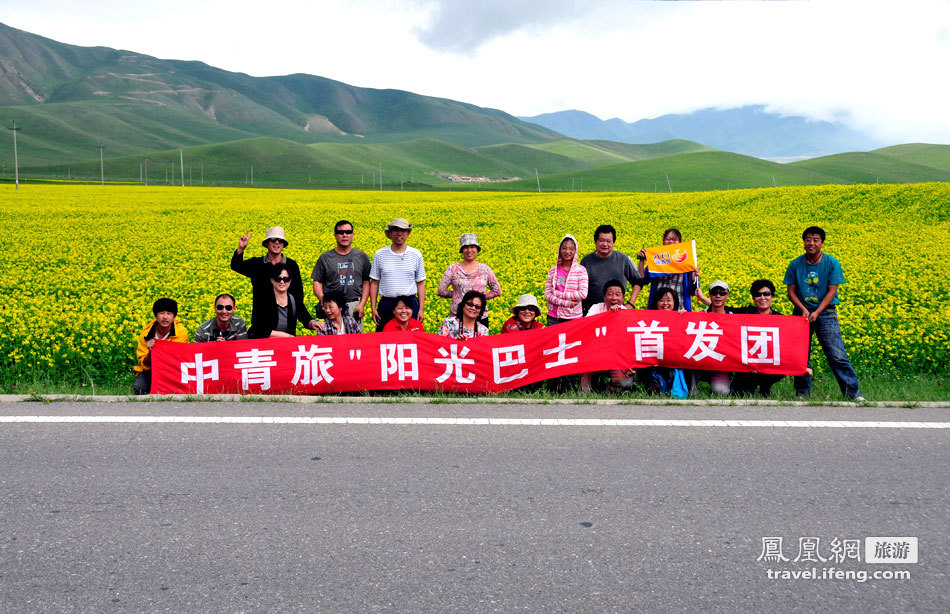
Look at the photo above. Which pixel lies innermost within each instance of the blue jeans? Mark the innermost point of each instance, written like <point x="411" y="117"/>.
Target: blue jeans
<point x="828" y="331"/>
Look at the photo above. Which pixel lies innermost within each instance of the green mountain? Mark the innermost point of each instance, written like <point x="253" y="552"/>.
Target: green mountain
<point x="66" y="98"/>
<point x="420" y="162"/>
<point x="937" y="156"/>
<point x="704" y="170"/>
<point x="879" y="167"/>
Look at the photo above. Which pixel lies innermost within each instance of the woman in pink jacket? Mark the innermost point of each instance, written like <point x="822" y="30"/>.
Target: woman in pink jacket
<point x="566" y="285"/>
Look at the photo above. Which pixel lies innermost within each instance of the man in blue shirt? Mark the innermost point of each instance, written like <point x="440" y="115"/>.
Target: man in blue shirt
<point x="813" y="279"/>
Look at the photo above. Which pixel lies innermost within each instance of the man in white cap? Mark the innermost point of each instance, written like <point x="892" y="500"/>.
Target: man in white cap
<point x="718" y="293"/>
<point x="259" y="270"/>
<point x="397" y="270"/>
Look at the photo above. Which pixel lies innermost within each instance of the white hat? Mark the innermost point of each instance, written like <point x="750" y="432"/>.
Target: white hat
<point x="719" y="284"/>
<point x="400" y="223"/>
<point x="526" y="300"/>
<point x="468" y="239"/>
<point x="274" y="232"/>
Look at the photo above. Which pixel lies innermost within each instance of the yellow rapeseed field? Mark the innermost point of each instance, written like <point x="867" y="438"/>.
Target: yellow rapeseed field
<point x="83" y="264"/>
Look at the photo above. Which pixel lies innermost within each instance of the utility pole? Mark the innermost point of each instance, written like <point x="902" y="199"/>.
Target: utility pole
<point x="190" y="182"/>
<point x="201" y="163"/>
<point x="572" y="184"/>
<point x="181" y="158"/>
<point x="252" y="174"/>
<point x="668" y="182"/>
<point x="380" y="176"/>
<point x="140" y="173"/>
<point x="401" y="177"/>
<point x="16" y="160"/>
<point x="582" y="183"/>
<point x="538" y="177"/>
<point x="146" y="172"/>
<point x="102" y="172"/>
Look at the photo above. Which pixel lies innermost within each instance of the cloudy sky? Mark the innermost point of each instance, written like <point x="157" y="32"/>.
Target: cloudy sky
<point x="881" y="67"/>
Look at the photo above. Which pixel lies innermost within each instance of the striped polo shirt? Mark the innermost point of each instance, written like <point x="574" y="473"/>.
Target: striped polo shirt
<point x="397" y="274"/>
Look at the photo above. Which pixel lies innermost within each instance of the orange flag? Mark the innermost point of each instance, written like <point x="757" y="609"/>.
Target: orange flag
<point x="669" y="259"/>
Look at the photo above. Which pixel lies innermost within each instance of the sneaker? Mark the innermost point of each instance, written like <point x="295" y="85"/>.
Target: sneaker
<point x="858" y="399"/>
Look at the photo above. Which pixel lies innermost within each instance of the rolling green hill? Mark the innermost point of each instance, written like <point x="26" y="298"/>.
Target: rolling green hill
<point x="937" y="156"/>
<point x="67" y="97"/>
<point x="871" y="167"/>
<point x="421" y="162"/>
<point x="713" y="170"/>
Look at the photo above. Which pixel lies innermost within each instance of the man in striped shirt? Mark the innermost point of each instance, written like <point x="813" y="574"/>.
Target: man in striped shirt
<point x="397" y="270"/>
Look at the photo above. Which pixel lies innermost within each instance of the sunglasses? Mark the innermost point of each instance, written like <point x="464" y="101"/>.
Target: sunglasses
<point x="765" y="293"/>
<point x="224" y="307"/>
<point x="282" y="280"/>
<point x="275" y="241"/>
<point x="473" y="304"/>
<point x="718" y="292"/>
<point x="344" y="232"/>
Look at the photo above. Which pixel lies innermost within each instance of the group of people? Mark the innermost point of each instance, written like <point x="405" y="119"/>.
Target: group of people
<point x="394" y="284"/>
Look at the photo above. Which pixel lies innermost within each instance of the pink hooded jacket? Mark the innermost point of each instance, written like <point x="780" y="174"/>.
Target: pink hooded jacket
<point x="575" y="289"/>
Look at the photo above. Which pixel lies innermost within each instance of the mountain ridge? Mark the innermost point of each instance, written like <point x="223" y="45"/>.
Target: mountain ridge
<point x="749" y="130"/>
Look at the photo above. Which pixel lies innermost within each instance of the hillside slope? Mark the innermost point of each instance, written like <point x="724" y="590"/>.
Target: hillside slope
<point x="113" y="87"/>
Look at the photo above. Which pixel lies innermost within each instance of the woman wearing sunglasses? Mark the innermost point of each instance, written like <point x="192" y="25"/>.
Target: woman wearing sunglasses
<point x="763" y="292"/>
<point x="225" y="325"/>
<point x="280" y="311"/>
<point x="465" y="323"/>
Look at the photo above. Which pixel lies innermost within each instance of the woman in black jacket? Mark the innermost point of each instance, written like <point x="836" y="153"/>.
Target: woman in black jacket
<point x="278" y="313"/>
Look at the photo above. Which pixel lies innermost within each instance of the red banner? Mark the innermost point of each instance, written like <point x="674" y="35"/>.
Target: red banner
<point x="422" y="361"/>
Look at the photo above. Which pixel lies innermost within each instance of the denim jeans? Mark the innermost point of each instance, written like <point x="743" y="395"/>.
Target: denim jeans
<point x="828" y="331"/>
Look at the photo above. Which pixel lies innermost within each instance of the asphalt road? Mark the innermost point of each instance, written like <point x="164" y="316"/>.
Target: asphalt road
<point x="155" y="517"/>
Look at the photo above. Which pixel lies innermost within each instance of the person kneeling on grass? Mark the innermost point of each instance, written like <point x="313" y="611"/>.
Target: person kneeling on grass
<point x="165" y="325"/>
<point x="719" y="381"/>
<point x="465" y="324"/>
<point x="620" y="379"/>
<point x="664" y="380"/>
<point x="402" y="321"/>
<point x="524" y="315"/>
<point x="763" y="292"/>
<point x="337" y="321"/>
<point x="225" y="326"/>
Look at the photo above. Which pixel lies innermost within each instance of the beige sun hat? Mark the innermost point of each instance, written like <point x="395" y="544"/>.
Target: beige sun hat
<point x="468" y="239"/>
<point x="719" y="284"/>
<point x="527" y="300"/>
<point x="274" y="232"/>
<point x="400" y="223"/>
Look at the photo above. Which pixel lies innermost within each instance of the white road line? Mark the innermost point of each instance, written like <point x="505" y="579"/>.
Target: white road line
<point x="575" y="422"/>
